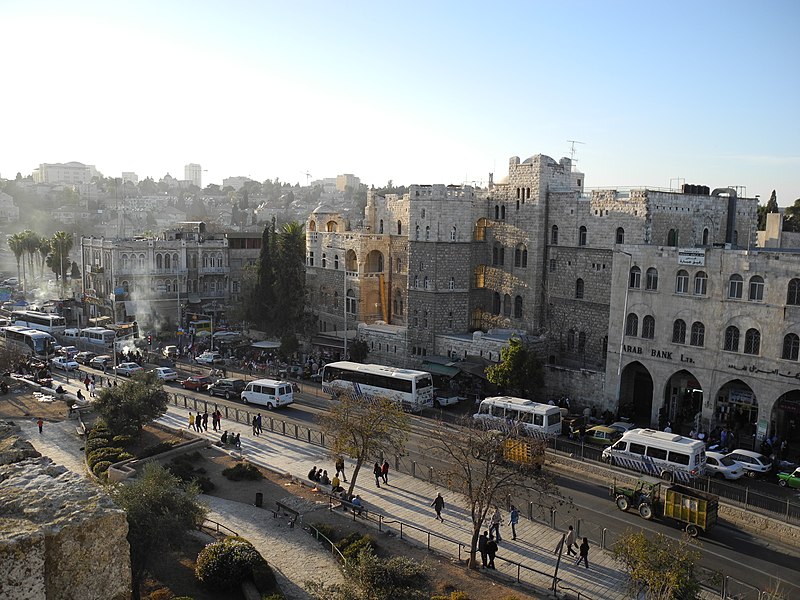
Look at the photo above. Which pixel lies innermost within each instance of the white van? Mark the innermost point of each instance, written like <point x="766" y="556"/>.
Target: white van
<point x="71" y="334"/>
<point x="532" y="417"/>
<point x="666" y="455"/>
<point x="268" y="392"/>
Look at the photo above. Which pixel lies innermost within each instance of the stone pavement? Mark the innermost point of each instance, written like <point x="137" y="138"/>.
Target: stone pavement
<point x="407" y="500"/>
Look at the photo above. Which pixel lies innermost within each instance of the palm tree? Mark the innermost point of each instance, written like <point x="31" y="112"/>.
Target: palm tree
<point x="62" y="244"/>
<point x="15" y="244"/>
<point x="30" y="243"/>
<point x="45" y="248"/>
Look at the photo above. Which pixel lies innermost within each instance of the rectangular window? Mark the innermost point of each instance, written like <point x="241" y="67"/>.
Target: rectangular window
<point x="637" y="448"/>
<point x="679" y="458"/>
<point x="657" y="453"/>
<point x="552" y="265"/>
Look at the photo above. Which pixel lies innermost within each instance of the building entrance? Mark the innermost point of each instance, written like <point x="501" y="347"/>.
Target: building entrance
<point x="683" y="404"/>
<point x="736" y="409"/>
<point x="636" y="394"/>
<point x="786" y="423"/>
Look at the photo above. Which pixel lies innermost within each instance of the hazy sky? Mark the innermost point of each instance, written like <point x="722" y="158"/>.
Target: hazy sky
<point x="416" y="92"/>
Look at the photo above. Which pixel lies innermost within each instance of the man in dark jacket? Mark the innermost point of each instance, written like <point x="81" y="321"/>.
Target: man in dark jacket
<point x="482" y="546"/>
<point x="491" y="550"/>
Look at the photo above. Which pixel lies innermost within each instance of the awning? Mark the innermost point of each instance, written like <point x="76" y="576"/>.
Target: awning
<point x="438" y="369"/>
<point x="266" y="345"/>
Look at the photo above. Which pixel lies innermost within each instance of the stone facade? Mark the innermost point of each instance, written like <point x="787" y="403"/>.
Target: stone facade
<point x="62" y="537"/>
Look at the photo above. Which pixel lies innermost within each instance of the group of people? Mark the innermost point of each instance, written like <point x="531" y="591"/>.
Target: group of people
<point x="233" y="440"/>
<point x="381" y="472"/>
<point x="257" y="430"/>
<point x="568" y="541"/>
<point x="198" y="422"/>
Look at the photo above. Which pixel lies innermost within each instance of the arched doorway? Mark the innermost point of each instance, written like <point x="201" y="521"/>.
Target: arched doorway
<point x="785" y="419"/>
<point x="683" y="403"/>
<point x="736" y="409"/>
<point x="636" y="394"/>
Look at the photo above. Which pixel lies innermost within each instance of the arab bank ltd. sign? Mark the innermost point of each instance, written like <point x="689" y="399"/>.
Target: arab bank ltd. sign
<point x="692" y="257"/>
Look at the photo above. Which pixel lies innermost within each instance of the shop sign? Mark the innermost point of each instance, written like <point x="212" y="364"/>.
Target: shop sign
<point x="692" y="257"/>
<point x="655" y="353"/>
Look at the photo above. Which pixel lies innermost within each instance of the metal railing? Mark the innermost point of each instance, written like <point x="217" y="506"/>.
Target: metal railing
<point x="217" y="527"/>
<point x="319" y="536"/>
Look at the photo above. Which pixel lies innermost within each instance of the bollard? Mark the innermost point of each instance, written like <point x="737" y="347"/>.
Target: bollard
<point x="259" y="499"/>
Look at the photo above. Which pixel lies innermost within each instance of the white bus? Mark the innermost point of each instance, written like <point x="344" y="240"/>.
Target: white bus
<point x="412" y="389"/>
<point x="49" y="322"/>
<point x="29" y="341"/>
<point x="98" y="336"/>
<point x="268" y="392"/>
<point x="666" y="455"/>
<point x="533" y="418"/>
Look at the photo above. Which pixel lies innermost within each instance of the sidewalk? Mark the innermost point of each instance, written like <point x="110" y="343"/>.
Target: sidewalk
<point x="407" y="499"/>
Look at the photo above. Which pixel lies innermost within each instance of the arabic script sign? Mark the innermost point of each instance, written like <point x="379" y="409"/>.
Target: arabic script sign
<point x="693" y="257"/>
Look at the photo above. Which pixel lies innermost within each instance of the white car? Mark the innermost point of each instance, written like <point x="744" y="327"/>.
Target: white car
<point x="210" y="358"/>
<point x="11" y="281"/>
<point x="720" y="465"/>
<point x="622" y="426"/>
<point x="127" y="369"/>
<point x="64" y="363"/>
<point x="165" y="374"/>
<point x="754" y="463"/>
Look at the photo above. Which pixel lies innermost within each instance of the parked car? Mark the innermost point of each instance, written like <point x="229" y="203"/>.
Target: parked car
<point x="100" y="362"/>
<point x="227" y="388"/>
<point x="210" y="358"/>
<point x="64" y="363"/>
<point x="68" y="351"/>
<point x="602" y="435"/>
<point x="754" y="463"/>
<point x="170" y="352"/>
<point x="127" y="369"/>
<point x="720" y="465"/>
<point x="622" y="426"/>
<point x="10" y="281"/>
<point x="84" y="357"/>
<point x="791" y="480"/>
<point x="196" y="383"/>
<point x="165" y="374"/>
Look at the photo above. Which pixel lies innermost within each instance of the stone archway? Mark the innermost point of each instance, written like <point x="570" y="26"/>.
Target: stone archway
<point x="636" y="394"/>
<point x="785" y="420"/>
<point x="736" y="409"/>
<point x="683" y="403"/>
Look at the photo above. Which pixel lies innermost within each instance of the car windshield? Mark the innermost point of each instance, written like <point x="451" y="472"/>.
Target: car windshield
<point x="727" y="461"/>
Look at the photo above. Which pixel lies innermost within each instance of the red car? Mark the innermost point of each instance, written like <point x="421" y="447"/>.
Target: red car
<point x="199" y="384"/>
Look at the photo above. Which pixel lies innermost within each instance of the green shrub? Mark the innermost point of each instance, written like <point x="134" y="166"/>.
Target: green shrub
<point x="111" y="454"/>
<point x="156" y="449"/>
<point x="327" y="530"/>
<point x="100" y="468"/>
<point x="122" y="440"/>
<point x="225" y="564"/>
<point x="125" y="456"/>
<point x="353" y="550"/>
<point x="243" y="472"/>
<point x="348" y="540"/>
<point x="95" y="443"/>
<point x="99" y="431"/>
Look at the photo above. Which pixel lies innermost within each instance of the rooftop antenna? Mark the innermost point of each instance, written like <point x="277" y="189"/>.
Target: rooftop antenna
<point x="572" y="150"/>
<point x="308" y="178"/>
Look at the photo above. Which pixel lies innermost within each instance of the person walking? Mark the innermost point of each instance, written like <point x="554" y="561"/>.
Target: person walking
<point x="376" y="470"/>
<point x="494" y="527"/>
<point x="191" y="421"/>
<point x="482" y="540"/>
<point x="340" y="468"/>
<point x="583" y="553"/>
<point x="438" y="505"/>
<point x="385" y="472"/>
<point x="86" y="382"/>
<point x="40" y="423"/>
<point x="255" y="425"/>
<point x="258" y="424"/>
<point x="205" y="420"/>
<point x="513" y="518"/>
<point x="198" y="422"/>
<point x="238" y="441"/>
<point x="91" y="389"/>
<point x="569" y="541"/>
<point x="491" y="550"/>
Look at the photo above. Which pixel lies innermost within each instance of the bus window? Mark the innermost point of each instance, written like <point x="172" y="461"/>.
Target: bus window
<point x="620" y="445"/>
<point x="526" y="417"/>
<point x="679" y="458"/>
<point x="538" y="420"/>
<point x="637" y="448"/>
<point x="554" y="418"/>
<point x="657" y="453"/>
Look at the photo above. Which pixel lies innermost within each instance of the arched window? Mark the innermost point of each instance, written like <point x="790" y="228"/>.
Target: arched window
<point x="125" y="262"/>
<point x="331" y="226"/>
<point x="735" y="237"/>
<point x="335" y="299"/>
<point x="682" y="282"/>
<point x="672" y="237"/>
<point x="496" y="303"/>
<point x="632" y="325"/>
<point x="698" y="334"/>
<point x="168" y="285"/>
<point x="521" y="256"/>
<point x="582" y="342"/>
<point x="167" y="261"/>
<point x="705" y="236"/>
<point x="496" y="212"/>
<point x="416" y="232"/>
<point x="495" y="254"/>
<point x="427" y="232"/>
<point x="793" y="292"/>
<point x="579" y="288"/>
<point x="651" y="281"/>
<point x="312" y="225"/>
<point x="425" y="282"/>
<point x="582" y="236"/>
<point x="506" y="305"/>
<point x="791" y="346"/>
<point x="502" y="259"/>
<point x="517" y="204"/>
<point x="679" y="331"/>
<point x="351" y="302"/>
<point x="453" y="234"/>
<point x="416" y="281"/>
<point x="159" y="264"/>
<point x="700" y="283"/>
<point x="518" y="307"/>
<point x="635" y="278"/>
<point x="648" y="327"/>
<point x="571" y="339"/>
<point x="735" y="287"/>
<point x="503" y="212"/>
<point x="336" y="262"/>
<point x="756" y="289"/>
<point x="380" y="227"/>
<point x="731" y="343"/>
<point x="452" y="284"/>
<point x="554" y="235"/>
<point x="620" y="235"/>
<point x="399" y="227"/>
<point x="141" y="260"/>
<point x="752" y="341"/>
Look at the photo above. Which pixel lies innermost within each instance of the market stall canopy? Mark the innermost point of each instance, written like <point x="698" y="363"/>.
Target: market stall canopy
<point x="266" y="345"/>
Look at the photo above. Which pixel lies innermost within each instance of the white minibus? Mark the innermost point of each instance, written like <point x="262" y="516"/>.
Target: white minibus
<point x="532" y="417"/>
<point x="666" y="455"/>
<point x="268" y="392"/>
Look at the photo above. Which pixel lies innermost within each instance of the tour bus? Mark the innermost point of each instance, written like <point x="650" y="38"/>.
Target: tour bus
<point x="412" y="389"/>
<point x="268" y="392"/>
<point x="49" y="322"/>
<point x="29" y="341"/>
<point x="98" y="336"/>
<point x="533" y="418"/>
<point x="666" y="455"/>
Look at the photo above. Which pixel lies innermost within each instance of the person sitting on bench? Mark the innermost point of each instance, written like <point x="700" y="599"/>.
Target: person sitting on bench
<point x="324" y="479"/>
<point x="312" y="474"/>
<point x="357" y="505"/>
<point x="224" y="438"/>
